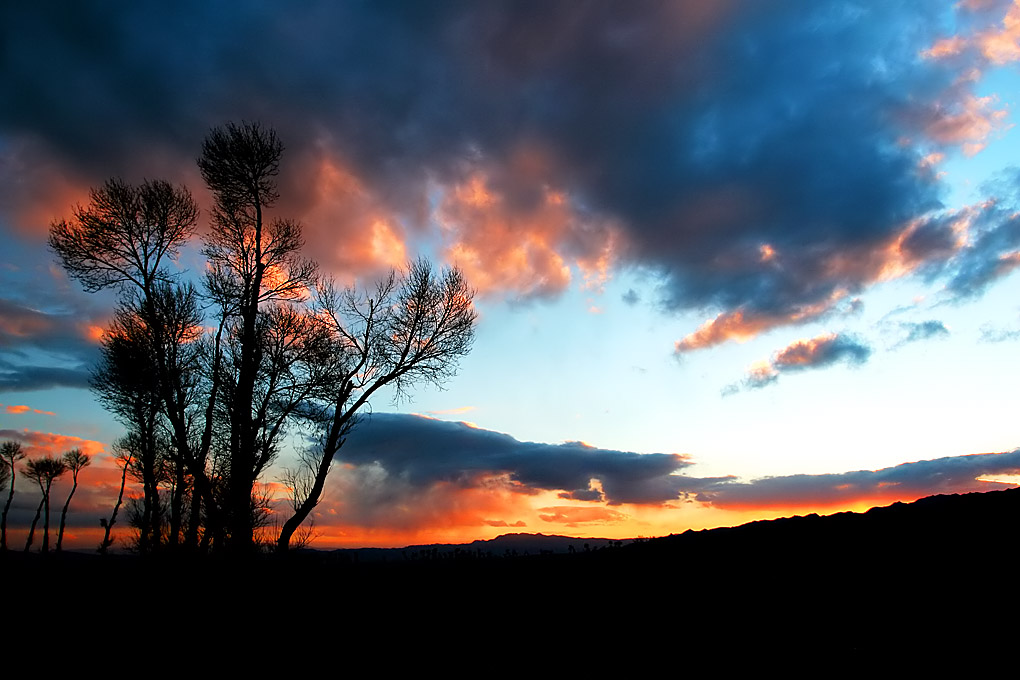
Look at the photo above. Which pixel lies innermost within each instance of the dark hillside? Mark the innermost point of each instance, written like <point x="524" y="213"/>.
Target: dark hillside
<point x="942" y="566"/>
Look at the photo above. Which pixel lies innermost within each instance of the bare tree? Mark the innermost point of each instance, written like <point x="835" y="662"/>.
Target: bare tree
<point x="74" y="460"/>
<point x="253" y="262"/>
<point x="125" y="235"/>
<point x="10" y="454"/>
<point x="43" y="471"/>
<point x="224" y="398"/>
<point x="124" y="239"/>
<point x="151" y="365"/>
<point x="412" y="330"/>
<point x="125" y="455"/>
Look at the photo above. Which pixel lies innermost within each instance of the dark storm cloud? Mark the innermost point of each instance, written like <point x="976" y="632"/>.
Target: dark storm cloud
<point x="392" y="457"/>
<point x="704" y="130"/>
<point x="956" y="474"/>
<point x="19" y="377"/>
<point x="420" y="452"/>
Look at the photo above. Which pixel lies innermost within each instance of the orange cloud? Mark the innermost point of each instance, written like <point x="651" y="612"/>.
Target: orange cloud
<point x="26" y="325"/>
<point x="1002" y="45"/>
<point x="968" y="123"/>
<point x="21" y="408"/>
<point x="902" y="254"/>
<point x="573" y="516"/>
<point x="502" y="249"/>
<point x="348" y="229"/>
<point x="37" y="187"/>
<point x="946" y="47"/>
<point x="514" y="233"/>
<point x="741" y="326"/>
<point x="47" y="443"/>
<point x="998" y="45"/>
<point x="94" y="333"/>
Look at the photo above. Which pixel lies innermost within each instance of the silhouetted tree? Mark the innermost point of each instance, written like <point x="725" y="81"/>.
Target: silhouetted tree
<point x="410" y="330"/>
<point x="226" y="397"/>
<point x="5" y="474"/>
<point x="43" y="471"/>
<point x="10" y="454"/>
<point x="74" y="460"/>
<point x="125" y="381"/>
<point x="151" y="364"/>
<point x="124" y="239"/>
<point x="253" y="262"/>
<point x="123" y="453"/>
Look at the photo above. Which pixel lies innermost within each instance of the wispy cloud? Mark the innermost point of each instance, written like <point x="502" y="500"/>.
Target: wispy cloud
<point x="923" y="330"/>
<point x="801" y="355"/>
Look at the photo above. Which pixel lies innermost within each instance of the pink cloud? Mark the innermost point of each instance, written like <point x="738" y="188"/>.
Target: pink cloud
<point x="1002" y="45"/>
<point x="946" y="47"/>
<point x="967" y="123"/>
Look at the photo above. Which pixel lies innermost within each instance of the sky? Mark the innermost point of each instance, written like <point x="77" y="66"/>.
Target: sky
<point x="733" y="260"/>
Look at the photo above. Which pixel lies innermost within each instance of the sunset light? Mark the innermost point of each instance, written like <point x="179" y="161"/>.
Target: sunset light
<point x="683" y="265"/>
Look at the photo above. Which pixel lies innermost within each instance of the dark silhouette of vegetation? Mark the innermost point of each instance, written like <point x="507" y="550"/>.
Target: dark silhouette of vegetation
<point x="10" y="455"/>
<point x="125" y="455"/>
<point x="43" y="471"/>
<point x="206" y="411"/>
<point x="74" y="460"/>
<point x="410" y="330"/>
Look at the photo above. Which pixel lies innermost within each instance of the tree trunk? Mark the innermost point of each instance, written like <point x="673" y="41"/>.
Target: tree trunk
<point x="107" y="542"/>
<point x="46" y="520"/>
<point x="35" y="520"/>
<point x="7" y="507"/>
<point x="63" y="513"/>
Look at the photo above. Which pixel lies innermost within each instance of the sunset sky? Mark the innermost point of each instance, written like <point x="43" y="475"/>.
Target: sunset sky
<point x="733" y="259"/>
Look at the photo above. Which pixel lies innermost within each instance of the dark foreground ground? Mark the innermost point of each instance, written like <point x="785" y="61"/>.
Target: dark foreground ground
<point x="931" y="577"/>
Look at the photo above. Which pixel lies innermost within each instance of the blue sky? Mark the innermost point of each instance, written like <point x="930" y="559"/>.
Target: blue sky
<point x="776" y="239"/>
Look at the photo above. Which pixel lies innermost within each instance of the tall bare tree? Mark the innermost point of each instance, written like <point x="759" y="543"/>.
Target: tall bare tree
<point x="409" y="330"/>
<point x="10" y="455"/>
<point x="74" y="460"/>
<point x="255" y="267"/>
<point x="150" y="369"/>
<point x="275" y="355"/>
